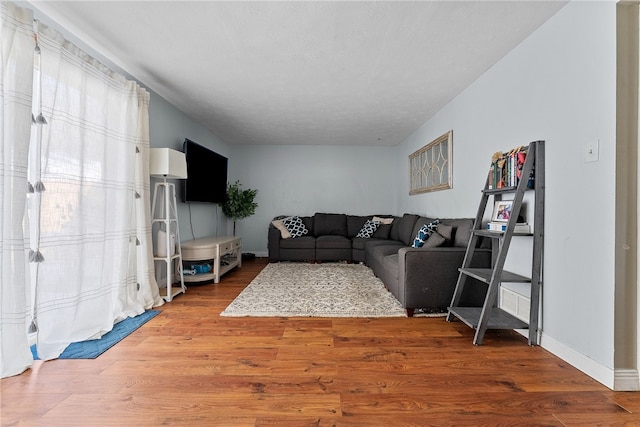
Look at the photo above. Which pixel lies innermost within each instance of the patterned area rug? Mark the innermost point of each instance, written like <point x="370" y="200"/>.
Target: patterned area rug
<point x="315" y="290"/>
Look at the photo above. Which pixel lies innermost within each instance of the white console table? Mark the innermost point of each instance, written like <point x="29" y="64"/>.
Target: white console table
<point x="222" y="253"/>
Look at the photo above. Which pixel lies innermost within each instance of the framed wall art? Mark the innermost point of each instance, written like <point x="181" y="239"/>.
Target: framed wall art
<point x="430" y="167"/>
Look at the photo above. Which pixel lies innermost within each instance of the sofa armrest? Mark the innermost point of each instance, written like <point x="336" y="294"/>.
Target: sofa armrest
<point x="273" y="243"/>
<point x="428" y="276"/>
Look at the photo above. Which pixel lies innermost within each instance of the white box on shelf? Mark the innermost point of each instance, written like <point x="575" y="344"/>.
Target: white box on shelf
<point x="521" y="227"/>
<point x="161" y="247"/>
<point x="514" y="302"/>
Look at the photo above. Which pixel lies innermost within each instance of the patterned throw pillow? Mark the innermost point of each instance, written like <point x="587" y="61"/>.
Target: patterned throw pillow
<point x="424" y="233"/>
<point x="368" y="229"/>
<point x="295" y="226"/>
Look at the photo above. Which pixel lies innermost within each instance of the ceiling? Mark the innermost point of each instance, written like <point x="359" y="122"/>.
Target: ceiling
<point x="307" y="72"/>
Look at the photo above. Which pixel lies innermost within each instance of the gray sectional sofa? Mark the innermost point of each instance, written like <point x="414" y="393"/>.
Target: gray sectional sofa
<point x="419" y="277"/>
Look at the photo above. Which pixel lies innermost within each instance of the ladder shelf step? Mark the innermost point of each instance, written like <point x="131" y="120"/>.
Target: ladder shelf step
<point x="496" y="234"/>
<point x="484" y="275"/>
<point x="499" y="190"/>
<point x="498" y="319"/>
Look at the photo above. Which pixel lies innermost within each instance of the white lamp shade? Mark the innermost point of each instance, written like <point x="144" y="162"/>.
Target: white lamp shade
<point x="167" y="163"/>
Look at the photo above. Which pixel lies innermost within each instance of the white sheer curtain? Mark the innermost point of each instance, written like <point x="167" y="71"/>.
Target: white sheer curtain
<point x="75" y="149"/>
<point x="16" y="42"/>
<point x="93" y="148"/>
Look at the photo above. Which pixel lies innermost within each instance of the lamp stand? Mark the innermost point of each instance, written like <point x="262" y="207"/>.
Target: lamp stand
<point x="167" y="257"/>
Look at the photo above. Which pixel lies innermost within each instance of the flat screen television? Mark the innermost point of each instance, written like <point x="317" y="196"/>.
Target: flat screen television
<point x="206" y="174"/>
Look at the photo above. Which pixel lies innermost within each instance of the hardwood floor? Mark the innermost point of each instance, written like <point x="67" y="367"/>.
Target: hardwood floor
<point x="189" y="366"/>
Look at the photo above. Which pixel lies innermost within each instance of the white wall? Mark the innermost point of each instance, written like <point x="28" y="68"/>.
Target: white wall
<point x="303" y="180"/>
<point x="559" y="85"/>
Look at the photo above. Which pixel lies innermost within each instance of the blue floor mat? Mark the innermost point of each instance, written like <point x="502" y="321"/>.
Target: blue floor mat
<point x="93" y="348"/>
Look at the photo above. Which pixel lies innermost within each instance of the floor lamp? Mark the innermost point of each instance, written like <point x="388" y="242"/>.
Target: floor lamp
<point x="166" y="163"/>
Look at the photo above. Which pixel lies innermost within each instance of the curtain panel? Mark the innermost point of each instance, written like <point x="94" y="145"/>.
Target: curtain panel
<point x="80" y="166"/>
<point x="95" y="137"/>
<point x="17" y="44"/>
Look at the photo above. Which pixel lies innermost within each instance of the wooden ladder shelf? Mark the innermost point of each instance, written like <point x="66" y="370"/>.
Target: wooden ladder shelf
<point x="490" y="316"/>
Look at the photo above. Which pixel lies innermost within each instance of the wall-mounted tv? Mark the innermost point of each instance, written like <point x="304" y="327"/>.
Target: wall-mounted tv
<point x="206" y="174"/>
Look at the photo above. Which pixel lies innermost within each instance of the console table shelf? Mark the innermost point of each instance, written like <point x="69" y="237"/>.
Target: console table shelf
<point x="221" y="253"/>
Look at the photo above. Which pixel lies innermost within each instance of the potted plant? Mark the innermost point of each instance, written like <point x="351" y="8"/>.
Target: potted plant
<point x="240" y="203"/>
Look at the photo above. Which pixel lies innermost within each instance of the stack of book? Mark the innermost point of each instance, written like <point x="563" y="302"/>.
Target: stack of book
<point x="506" y="168"/>
<point x="521" y="227"/>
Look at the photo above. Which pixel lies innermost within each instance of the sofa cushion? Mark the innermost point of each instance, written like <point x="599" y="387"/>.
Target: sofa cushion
<point x="424" y="233"/>
<point x="295" y="226"/>
<point x="390" y="264"/>
<point x="375" y="253"/>
<point x="359" y="242"/>
<point x="308" y="223"/>
<point x="402" y="228"/>
<point x="333" y="242"/>
<point x="354" y="224"/>
<point x="382" y="232"/>
<point x="435" y="240"/>
<point x="461" y="230"/>
<point x="304" y="242"/>
<point x="368" y="229"/>
<point x="446" y="232"/>
<point x="329" y="224"/>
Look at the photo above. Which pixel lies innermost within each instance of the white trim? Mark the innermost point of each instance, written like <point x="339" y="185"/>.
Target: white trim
<point x="626" y="380"/>
<point x="595" y="370"/>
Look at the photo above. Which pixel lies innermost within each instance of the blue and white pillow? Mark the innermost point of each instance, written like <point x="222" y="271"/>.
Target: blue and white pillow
<point x="295" y="226"/>
<point x="424" y="233"/>
<point x="368" y="229"/>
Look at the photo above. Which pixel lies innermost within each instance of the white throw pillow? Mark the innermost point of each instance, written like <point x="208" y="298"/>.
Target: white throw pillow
<point x="279" y="224"/>
<point x="386" y="221"/>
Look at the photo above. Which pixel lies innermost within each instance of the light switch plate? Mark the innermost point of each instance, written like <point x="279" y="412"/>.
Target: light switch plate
<point x="591" y="151"/>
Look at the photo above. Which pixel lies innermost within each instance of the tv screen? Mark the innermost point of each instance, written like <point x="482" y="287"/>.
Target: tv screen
<point x="206" y="174"/>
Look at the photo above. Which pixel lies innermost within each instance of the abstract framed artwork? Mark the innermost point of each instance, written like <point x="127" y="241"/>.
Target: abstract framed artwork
<point x="430" y="168"/>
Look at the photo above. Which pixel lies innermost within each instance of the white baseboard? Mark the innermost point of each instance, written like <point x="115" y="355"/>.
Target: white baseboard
<point x="615" y="379"/>
<point x="626" y="380"/>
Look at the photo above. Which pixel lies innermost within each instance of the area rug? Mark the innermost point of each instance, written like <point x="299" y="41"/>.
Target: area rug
<point x="91" y="349"/>
<point x="315" y="290"/>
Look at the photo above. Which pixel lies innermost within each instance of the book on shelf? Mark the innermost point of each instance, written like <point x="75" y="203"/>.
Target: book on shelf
<point x="521" y="227"/>
<point x="506" y="169"/>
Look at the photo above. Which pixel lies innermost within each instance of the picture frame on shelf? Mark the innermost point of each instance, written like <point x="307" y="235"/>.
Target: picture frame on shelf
<point x="502" y="211"/>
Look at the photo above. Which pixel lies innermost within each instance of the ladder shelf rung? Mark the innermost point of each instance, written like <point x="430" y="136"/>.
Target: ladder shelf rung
<point x="498" y="318"/>
<point x="484" y="275"/>
<point x="488" y="233"/>
<point x="499" y="190"/>
<point x="494" y="234"/>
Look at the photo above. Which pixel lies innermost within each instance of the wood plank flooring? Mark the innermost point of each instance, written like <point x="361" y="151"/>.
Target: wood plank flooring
<point x="189" y="366"/>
